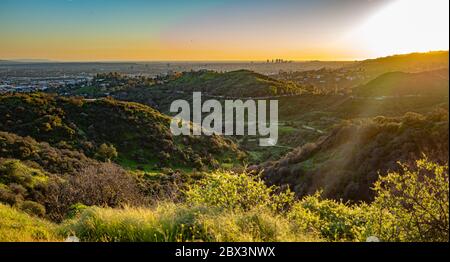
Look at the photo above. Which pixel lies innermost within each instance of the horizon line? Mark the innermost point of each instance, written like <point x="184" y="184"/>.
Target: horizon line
<point x="45" y="60"/>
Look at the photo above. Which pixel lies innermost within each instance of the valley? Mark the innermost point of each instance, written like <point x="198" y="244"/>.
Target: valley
<point x="101" y="150"/>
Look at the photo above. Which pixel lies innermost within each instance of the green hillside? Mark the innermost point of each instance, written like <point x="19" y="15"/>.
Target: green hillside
<point x="241" y="83"/>
<point x="429" y="83"/>
<point x="140" y="135"/>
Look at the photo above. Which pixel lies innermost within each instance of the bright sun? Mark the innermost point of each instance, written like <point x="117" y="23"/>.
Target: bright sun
<point x="406" y="26"/>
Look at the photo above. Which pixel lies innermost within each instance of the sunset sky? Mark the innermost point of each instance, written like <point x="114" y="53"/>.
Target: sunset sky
<point x="110" y="30"/>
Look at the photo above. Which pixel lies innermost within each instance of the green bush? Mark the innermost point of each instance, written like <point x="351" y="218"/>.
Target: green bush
<point x="413" y="204"/>
<point x="410" y="205"/>
<point x="107" y="152"/>
<point x="75" y="209"/>
<point x="332" y="220"/>
<point x="15" y="171"/>
<point x="227" y="190"/>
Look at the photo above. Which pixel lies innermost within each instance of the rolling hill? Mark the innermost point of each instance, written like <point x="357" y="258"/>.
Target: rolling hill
<point x="140" y="134"/>
<point x="241" y="83"/>
<point x="412" y="63"/>
<point x="428" y="83"/>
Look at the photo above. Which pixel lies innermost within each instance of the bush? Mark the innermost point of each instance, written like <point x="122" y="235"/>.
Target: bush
<point x="228" y="190"/>
<point x="410" y="205"/>
<point x="332" y="220"/>
<point x="107" y="152"/>
<point x="7" y="196"/>
<point x="76" y="209"/>
<point x="32" y="208"/>
<point x="105" y="184"/>
<point x="413" y="204"/>
<point x="15" y="171"/>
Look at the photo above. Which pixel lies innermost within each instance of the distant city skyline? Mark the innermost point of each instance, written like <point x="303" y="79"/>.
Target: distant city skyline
<point x="219" y="30"/>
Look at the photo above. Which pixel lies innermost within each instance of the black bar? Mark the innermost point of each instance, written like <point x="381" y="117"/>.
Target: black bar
<point x="149" y="251"/>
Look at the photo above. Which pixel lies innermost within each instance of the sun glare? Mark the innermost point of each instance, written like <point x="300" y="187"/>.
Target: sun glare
<point x="406" y="26"/>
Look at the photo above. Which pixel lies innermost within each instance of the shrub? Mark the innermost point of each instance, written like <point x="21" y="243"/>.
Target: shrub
<point x="76" y="209"/>
<point x="332" y="220"/>
<point x="32" y="208"/>
<point x="7" y="196"/>
<point x="410" y="205"/>
<point x="413" y="204"/>
<point x="107" y="152"/>
<point x="228" y="190"/>
<point x="105" y="184"/>
<point x="16" y="172"/>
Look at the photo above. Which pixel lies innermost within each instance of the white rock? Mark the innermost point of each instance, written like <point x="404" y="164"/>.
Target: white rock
<point x="72" y="239"/>
<point x="372" y="239"/>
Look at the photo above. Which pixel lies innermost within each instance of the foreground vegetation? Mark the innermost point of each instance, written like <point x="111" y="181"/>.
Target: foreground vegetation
<point x="16" y="226"/>
<point x="410" y="205"/>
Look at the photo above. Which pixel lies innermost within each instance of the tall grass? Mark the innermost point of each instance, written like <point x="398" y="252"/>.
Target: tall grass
<point x="16" y="226"/>
<point x="178" y="222"/>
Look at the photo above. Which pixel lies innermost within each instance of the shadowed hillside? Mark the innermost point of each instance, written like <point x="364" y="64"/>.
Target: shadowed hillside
<point x="346" y="162"/>
<point x="429" y="83"/>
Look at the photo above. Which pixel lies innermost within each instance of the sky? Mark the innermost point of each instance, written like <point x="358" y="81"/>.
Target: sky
<point x="214" y="30"/>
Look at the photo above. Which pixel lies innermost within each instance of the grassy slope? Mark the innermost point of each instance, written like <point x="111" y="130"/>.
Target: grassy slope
<point x="16" y="226"/>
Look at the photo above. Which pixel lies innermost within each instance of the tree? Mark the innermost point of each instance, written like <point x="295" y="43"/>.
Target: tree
<point x="107" y="152"/>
